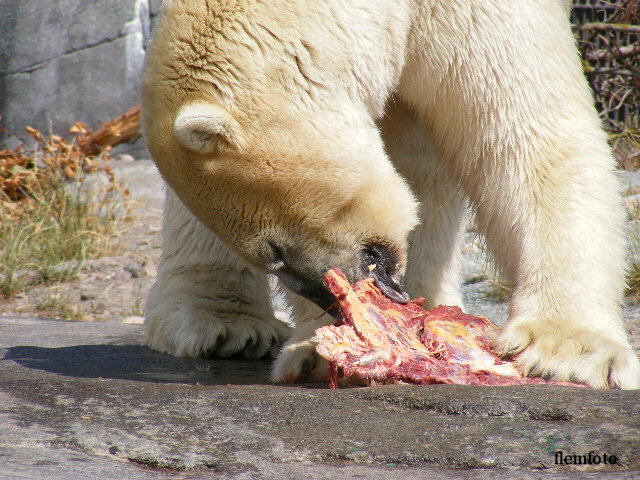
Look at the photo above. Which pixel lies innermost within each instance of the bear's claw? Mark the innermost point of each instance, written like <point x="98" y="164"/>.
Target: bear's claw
<point x="198" y="333"/>
<point x="570" y="354"/>
<point x="299" y="362"/>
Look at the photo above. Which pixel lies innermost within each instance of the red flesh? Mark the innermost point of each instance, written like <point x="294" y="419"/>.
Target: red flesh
<point x="381" y="340"/>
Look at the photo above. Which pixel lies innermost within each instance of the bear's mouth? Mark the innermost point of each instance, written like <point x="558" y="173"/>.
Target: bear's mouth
<point x="320" y="294"/>
<point x="389" y="286"/>
<point x="317" y="292"/>
<point x="377" y="260"/>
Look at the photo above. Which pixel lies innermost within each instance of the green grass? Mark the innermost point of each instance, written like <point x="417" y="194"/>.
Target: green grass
<point x="52" y="225"/>
<point x="500" y="289"/>
<point x="62" y="306"/>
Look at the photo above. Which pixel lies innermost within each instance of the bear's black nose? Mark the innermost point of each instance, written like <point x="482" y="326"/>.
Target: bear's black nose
<point x="382" y="261"/>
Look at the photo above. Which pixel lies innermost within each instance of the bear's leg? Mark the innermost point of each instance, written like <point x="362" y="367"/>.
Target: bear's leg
<point x="298" y="360"/>
<point x="501" y="88"/>
<point x="559" y="236"/>
<point x="557" y="233"/>
<point x="434" y="252"/>
<point x="204" y="301"/>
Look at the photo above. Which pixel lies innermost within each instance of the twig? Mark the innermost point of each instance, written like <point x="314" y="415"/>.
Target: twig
<point x="620" y="52"/>
<point x="589" y="70"/>
<point x="122" y="129"/>
<point x="607" y="27"/>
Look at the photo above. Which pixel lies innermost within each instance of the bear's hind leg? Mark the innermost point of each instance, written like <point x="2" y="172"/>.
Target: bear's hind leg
<point x="434" y="245"/>
<point x="204" y="301"/>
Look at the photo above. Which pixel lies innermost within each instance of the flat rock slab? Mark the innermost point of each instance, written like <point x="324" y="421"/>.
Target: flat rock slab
<point x="85" y="400"/>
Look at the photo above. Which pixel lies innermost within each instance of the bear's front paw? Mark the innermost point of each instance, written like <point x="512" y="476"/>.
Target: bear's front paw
<point x="570" y="354"/>
<point x="299" y="362"/>
<point x="195" y="332"/>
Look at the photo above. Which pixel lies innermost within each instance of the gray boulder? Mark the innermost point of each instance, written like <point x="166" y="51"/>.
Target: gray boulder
<point x="70" y="60"/>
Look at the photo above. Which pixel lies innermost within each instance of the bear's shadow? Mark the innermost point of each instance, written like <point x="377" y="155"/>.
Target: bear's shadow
<point x="139" y="363"/>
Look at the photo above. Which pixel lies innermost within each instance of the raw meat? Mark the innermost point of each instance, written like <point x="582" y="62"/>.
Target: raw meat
<point x="382" y="340"/>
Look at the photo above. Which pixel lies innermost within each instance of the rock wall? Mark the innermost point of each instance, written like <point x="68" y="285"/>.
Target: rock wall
<point x="63" y="61"/>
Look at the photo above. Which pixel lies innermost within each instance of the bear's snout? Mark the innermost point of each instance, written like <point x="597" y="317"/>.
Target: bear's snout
<point x="381" y="262"/>
<point x="306" y="277"/>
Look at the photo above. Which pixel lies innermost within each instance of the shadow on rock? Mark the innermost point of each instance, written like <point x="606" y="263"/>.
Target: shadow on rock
<point x="135" y="362"/>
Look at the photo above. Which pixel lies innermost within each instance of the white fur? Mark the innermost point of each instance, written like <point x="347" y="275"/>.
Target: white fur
<point x="521" y="136"/>
<point x="502" y="117"/>
<point x="433" y="262"/>
<point x="204" y="301"/>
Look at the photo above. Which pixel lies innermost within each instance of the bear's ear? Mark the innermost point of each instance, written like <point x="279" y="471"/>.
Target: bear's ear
<point x="205" y="128"/>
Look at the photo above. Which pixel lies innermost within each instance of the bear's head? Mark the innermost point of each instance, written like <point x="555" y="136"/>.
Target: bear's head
<point x="266" y="133"/>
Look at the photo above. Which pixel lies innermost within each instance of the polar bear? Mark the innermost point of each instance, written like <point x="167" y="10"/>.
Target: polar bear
<point x="299" y="136"/>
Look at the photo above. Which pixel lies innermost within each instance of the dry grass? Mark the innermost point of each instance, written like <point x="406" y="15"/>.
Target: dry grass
<point x="633" y="273"/>
<point x="500" y="289"/>
<point x="608" y="41"/>
<point x="633" y="282"/>
<point x="61" y="307"/>
<point x="626" y="148"/>
<point x="138" y="304"/>
<point x="48" y="216"/>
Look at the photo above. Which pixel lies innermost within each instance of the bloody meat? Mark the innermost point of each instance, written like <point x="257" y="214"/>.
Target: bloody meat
<point x="377" y="339"/>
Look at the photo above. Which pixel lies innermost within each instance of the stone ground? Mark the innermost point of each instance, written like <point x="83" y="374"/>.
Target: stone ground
<point x="83" y="399"/>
